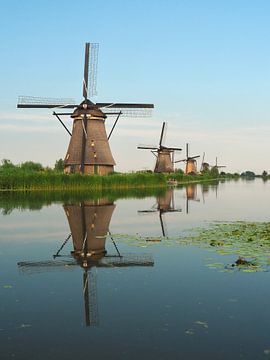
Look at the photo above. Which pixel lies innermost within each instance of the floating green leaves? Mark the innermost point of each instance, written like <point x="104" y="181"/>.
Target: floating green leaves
<point x="248" y="241"/>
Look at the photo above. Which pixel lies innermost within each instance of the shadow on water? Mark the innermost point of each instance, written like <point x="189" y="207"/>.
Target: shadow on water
<point x="89" y="223"/>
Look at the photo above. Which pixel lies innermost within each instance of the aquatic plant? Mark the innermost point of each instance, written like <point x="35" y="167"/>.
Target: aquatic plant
<point x="248" y="242"/>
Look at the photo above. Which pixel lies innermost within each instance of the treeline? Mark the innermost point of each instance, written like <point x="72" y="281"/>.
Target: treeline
<point x="33" y="176"/>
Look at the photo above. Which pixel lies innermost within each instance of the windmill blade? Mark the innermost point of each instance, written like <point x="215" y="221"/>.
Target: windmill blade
<point x="86" y="71"/>
<point x="172" y="148"/>
<point x="90" y="298"/>
<point x="127" y="260"/>
<point x="194" y="157"/>
<point x="177" y="161"/>
<point x="30" y="267"/>
<point x="90" y="70"/>
<point x="127" y="110"/>
<point x="125" y="105"/>
<point x="147" y="147"/>
<point x="45" y="103"/>
<point x="202" y="161"/>
<point x="162" y="134"/>
<point x="187" y="150"/>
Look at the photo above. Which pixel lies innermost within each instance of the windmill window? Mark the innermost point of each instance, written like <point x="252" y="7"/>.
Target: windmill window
<point x="92" y="143"/>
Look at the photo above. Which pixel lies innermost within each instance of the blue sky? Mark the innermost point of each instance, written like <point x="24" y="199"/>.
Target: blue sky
<point x="204" y="64"/>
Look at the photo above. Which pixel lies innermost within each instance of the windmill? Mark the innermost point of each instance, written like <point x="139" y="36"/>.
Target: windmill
<point x="164" y="160"/>
<point x="205" y="167"/>
<point x="191" y="163"/>
<point x="89" y="150"/>
<point x="164" y="204"/>
<point x="89" y="225"/>
<point x="216" y="167"/>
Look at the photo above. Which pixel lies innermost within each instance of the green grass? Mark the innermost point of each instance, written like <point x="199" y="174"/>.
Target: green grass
<point x="24" y="178"/>
<point x="51" y="180"/>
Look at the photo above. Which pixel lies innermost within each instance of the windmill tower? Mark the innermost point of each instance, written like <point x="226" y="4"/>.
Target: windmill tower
<point x="191" y="162"/>
<point x="89" y="225"/>
<point x="164" y="155"/>
<point x="89" y="150"/>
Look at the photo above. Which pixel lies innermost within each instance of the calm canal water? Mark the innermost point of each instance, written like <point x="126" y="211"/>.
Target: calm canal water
<point x="140" y="295"/>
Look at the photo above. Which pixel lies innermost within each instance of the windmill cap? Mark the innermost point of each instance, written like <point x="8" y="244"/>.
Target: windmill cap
<point x="88" y="107"/>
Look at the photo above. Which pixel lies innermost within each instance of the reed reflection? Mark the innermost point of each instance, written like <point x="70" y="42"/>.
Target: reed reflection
<point x="89" y="223"/>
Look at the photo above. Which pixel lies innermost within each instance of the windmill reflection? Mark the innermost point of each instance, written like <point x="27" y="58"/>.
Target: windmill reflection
<point x="191" y="195"/>
<point x="164" y="204"/>
<point x="89" y="225"/>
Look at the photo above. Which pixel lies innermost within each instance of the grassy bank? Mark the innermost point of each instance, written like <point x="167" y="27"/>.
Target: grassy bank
<point x="32" y="176"/>
<point x="25" y="181"/>
<point x="19" y="180"/>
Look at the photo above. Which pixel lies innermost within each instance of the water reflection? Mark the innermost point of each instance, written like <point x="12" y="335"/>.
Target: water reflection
<point x="191" y="195"/>
<point x="89" y="223"/>
<point x="164" y="203"/>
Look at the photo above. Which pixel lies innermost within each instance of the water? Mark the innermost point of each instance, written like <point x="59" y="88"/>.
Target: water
<point x="159" y="300"/>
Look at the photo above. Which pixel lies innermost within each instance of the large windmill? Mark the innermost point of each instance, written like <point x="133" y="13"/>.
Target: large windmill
<point x="88" y="151"/>
<point x="89" y="225"/>
<point x="164" y="154"/>
<point x="191" y="162"/>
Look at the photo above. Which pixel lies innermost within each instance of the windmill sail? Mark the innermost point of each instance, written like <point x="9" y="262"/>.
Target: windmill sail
<point x="90" y="70"/>
<point x="45" y="102"/>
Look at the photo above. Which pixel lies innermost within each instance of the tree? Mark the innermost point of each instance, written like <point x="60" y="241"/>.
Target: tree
<point x="31" y="166"/>
<point x="7" y="164"/>
<point x="264" y="173"/>
<point x="59" y="165"/>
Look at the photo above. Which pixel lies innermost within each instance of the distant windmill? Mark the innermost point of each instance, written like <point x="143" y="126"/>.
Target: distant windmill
<point x="88" y="151"/>
<point x="164" y="155"/>
<point x="164" y="204"/>
<point x="191" y="163"/>
<point x="205" y="167"/>
<point x="89" y="226"/>
<point x="216" y="167"/>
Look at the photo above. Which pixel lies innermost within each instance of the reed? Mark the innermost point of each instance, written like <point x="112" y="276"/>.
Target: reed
<point x="18" y="179"/>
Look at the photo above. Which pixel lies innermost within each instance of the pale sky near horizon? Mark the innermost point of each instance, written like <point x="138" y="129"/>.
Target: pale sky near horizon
<point x="204" y="64"/>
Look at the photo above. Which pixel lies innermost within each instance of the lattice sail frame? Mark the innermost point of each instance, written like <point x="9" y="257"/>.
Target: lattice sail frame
<point x="92" y="73"/>
<point x="35" y="100"/>
<point x="125" y="112"/>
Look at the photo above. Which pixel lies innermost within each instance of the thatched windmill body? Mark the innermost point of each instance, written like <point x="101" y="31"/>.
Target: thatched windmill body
<point x="88" y="151"/>
<point x="164" y="154"/>
<point x="191" y="162"/>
